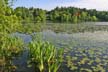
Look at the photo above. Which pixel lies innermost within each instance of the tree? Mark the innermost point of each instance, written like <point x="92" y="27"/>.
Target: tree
<point x="94" y="18"/>
<point x="39" y="14"/>
<point x="8" y="20"/>
<point x="84" y="16"/>
<point x="38" y="19"/>
<point x="74" y="19"/>
<point x="59" y="14"/>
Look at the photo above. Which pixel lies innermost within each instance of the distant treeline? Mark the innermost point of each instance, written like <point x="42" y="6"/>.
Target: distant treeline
<point x="63" y="14"/>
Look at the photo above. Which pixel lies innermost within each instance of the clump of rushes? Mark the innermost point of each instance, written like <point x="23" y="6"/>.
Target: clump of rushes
<point x="10" y="47"/>
<point x="44" y="56"/>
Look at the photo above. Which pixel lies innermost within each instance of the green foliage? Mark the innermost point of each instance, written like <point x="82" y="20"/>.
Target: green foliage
<point x="45" y="56"/>
<point x="11" y="44"/>
<point x="31" y="14"/>
<point x="38" y="19"/>
<point x="63" y="14"/>
<point x="10" y="47"/>
<point x="74" y="19"/>
<point x="68" y="14"/>
<point x="93" y="18"/>
<point x="8" y="21"/>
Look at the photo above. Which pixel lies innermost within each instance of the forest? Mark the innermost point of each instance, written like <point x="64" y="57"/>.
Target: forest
<point x="61" y="14"/>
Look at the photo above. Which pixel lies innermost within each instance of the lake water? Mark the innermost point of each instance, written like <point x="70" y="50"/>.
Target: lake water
<point x="74" y="43"/>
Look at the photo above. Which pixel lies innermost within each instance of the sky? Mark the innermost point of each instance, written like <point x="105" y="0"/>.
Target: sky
<point x="51" y="4"/>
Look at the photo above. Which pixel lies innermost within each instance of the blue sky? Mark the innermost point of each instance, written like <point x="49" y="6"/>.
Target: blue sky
<point x="50" y="4"/>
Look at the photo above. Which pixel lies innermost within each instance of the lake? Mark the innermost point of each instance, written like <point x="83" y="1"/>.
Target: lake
<point x="86" y="43"/>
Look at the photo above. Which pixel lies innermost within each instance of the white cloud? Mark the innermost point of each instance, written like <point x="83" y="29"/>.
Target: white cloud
<point x="89" y="4"/>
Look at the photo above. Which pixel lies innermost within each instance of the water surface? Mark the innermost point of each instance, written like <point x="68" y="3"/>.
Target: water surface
<point x="74" y="42"/>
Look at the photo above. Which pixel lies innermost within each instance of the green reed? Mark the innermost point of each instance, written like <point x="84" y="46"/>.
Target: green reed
<point x="45" y="56"/>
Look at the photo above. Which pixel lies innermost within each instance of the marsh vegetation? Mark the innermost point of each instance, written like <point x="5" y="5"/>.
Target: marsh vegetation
<point x="31" y="41"/>
<point x="51" y="51"/>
